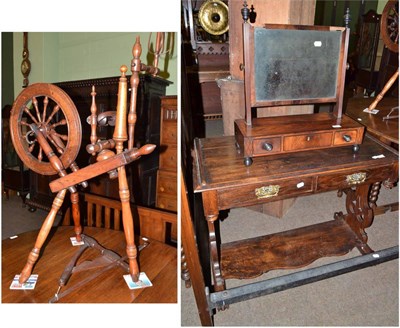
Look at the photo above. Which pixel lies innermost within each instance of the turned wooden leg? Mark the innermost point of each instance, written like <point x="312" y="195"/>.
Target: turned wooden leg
<point x="43" y="233"/>
<point x="185" y="274"/>
<point x="127" y="220"/>
<point x="360" y="215"/>
<point x="76" y="215"/>
<point x="373" y="194"/>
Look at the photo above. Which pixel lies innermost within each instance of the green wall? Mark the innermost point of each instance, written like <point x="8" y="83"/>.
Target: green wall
<point x="7" y="81"/>
<point x="69" y="56"/>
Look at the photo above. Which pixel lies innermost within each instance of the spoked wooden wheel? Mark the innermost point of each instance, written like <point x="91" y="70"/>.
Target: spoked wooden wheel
<point x="50" y="110"/>
<point x="390" y="25"/>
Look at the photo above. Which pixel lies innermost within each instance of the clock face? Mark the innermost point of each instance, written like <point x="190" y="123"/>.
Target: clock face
<point x="25" y="66"/>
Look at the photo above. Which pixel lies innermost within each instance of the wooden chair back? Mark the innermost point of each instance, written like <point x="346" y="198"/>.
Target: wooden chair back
<point x="102" y="212"/>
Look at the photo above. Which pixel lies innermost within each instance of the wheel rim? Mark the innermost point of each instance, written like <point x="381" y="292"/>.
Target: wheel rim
<point x="52" y="111"/>
<point x="390" y="25"/>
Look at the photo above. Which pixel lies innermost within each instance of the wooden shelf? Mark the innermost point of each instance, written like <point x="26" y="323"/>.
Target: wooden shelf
<point x="286" y="250"/>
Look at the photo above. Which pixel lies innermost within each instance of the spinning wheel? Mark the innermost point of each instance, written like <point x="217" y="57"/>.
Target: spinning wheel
<point x="46" y="132"/>
<point x="390" y="25"/>
<point x="46" y="108"/>
<point x="390" y="36"/>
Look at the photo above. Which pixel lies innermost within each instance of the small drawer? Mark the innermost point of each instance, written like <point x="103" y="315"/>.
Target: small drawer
<point x="168" y="133"/>
<point x="345" y="137"/>
<point x="261" y="193"/>
<point x="168" y="157"/>
<point x="166" y="182"/>
<point x="307" y="141"/>
<point x="353" y="178"/>
<point x="166" y="202"/>
<point x="266" y="146"/>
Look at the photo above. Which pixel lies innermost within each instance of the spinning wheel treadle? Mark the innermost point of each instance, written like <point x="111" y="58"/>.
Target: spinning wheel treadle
<point x="48" y="109"/>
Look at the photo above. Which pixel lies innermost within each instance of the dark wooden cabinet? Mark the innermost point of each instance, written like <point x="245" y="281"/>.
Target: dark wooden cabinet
<point x="142" y="174"/>
<point x="14" y="175"/>
<point x="167" y="178"/>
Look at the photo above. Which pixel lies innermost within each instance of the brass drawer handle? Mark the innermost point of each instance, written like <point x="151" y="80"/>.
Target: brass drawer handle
<point x="267" y="191"/>
<point x="356" y="178"/>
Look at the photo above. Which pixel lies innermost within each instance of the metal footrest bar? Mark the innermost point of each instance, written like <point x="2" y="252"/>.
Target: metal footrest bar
<point x="274" y="285"/>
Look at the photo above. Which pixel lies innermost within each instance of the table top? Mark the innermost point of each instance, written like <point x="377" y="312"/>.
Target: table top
<point x="219" y="165"/>
<point x="385" y="129"/>
<point x="157" y="260"/>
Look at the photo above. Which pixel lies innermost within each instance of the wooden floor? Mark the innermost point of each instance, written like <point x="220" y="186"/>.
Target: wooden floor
<point x="158" y="261"/>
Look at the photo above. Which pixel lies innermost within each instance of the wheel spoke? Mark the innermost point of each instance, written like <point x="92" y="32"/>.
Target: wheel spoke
<point x="55" y="110"/>
<point x="58" y="147"/>
<point x="27" y="110"/>
<point x="45" y="103"/>
<point x="62" y="122"/>
<point x="35" y="104"/>
<point x="62" y="136"/>
<point x="31" y="147"/>
<point x="40" y="155"/>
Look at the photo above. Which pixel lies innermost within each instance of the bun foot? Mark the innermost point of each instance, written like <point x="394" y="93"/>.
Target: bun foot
<point x="248" y="161"/>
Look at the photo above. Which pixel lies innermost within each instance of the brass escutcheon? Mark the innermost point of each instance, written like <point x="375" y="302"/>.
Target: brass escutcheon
<point x="356" y="178"/>
<point x="267" y="191"/>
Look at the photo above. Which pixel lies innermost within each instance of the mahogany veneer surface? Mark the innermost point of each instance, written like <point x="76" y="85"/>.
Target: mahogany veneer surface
<point x="386" y="129"/>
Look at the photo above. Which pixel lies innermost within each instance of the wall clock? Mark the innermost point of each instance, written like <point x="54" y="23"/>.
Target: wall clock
<point x="26" y="64"/>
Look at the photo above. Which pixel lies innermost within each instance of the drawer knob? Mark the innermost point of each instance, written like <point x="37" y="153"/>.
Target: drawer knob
<point x="267" y="146"/>
<point x="356" y="178"/>
<point x="346" y="138"/>
<point x="267" y="191"/>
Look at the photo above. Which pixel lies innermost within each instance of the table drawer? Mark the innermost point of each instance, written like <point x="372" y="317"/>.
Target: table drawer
<point x="353" y="178"/>
<point x="266" y="146"/>
<point x="260" y="193"/>
<point x="345" y="137"/>
<point x="307" y="141"/>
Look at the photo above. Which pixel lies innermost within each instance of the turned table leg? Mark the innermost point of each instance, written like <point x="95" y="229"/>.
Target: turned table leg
<point x="185" y="274"/>
<point x="43" y="233"/>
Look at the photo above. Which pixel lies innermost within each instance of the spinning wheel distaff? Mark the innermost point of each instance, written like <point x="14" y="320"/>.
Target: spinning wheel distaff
<point x="46" y="133"/>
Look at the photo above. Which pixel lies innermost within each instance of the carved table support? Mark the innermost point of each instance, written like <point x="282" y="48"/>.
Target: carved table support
<point x="211" y="213"/>
<point x="360" y="205"/>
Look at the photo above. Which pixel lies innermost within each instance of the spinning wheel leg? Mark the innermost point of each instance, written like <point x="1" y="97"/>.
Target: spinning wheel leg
<point x="127" y="220"/>
<point x="76" y="215"/>
<point x="43" y="233"/>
